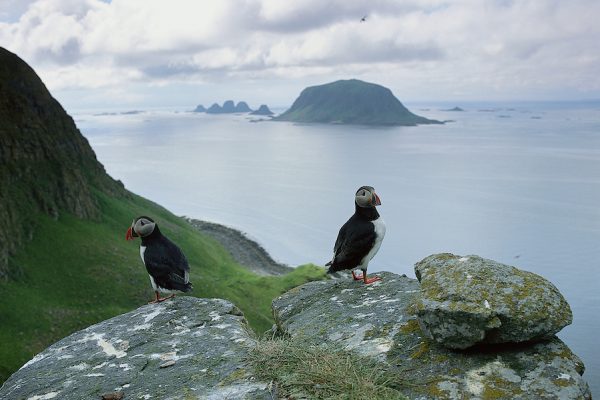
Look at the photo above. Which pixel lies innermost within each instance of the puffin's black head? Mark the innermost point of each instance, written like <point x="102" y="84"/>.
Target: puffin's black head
<point x="140" y="227"/>
<point x="366" y="197"/>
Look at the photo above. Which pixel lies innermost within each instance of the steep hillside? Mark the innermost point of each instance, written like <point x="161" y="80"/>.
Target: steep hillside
<point x="351" y="102"/>
<point x="63" y="220"/>
<point x="46" y="165"/>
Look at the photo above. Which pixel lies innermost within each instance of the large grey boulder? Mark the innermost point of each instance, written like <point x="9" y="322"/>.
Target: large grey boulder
<point x="186" y="348"/>
<point x="379" y="321"/>
<point x="470" y="300"/>
<point x="360" y="317"/>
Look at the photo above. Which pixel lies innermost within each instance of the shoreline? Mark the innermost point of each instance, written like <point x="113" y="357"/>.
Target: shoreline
<point x="245" y="251"/>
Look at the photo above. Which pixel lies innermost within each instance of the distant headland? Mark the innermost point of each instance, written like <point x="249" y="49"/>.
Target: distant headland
<point x="351" y="102"/>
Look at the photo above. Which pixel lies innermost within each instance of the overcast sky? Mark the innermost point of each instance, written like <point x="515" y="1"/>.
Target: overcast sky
<point x="149" y="53"/>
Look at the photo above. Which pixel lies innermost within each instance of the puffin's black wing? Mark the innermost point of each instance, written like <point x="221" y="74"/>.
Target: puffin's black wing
<point x="355" y="240"/>
<point x="341" y="238"/>
<point x="167" y="264"/>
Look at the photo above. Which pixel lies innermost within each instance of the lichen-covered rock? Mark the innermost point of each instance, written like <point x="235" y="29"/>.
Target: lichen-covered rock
<point x="379" y="321"/>
<point x="358" y="316"/>
<point x="544" y="370"/>
<point x="186" y="348"/>
<point x="470" y="300"/>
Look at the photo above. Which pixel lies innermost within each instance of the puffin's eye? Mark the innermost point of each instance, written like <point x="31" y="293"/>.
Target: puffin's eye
<point x="142" y="222"/>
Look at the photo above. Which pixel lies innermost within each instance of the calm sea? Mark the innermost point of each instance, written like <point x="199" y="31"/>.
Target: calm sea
<point x="517" y="183"/>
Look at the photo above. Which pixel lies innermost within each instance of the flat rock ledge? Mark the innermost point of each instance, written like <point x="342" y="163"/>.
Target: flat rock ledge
<point x="185" y="348"/>
<point x="470" y="300"/>
<point x="380" y="321"/>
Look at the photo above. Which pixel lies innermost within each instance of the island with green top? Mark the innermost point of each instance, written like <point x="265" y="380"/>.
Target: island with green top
<point x="353" y="102"/>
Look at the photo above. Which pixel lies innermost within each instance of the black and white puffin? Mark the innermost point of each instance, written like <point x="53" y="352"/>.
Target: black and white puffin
<point x="360" y="237"/>
<point x="165" y="262"/>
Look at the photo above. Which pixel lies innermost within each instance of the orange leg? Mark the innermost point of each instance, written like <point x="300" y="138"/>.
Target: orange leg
<point x="159" y="299"/>
<point x="370" y="280"/>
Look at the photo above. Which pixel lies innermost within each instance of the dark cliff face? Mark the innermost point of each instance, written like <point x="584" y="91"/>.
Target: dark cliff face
<point x="46" y="165"/>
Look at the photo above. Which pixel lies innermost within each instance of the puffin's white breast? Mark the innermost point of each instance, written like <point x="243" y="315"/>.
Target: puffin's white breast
<point x="154" y="286"/>
<point x="379" y="226"/>
<point x="142" y="251"/>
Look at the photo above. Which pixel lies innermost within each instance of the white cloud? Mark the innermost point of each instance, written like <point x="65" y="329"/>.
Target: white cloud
<point x="424" y="48"/>
<point x="11" y="10"/>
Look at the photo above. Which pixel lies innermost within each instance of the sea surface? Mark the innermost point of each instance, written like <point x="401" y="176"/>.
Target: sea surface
<point x="515" y="182"/>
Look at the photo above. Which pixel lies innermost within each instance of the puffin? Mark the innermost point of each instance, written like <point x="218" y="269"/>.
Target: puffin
<point x="166" y="264"/>
<point x="360" y="237"/>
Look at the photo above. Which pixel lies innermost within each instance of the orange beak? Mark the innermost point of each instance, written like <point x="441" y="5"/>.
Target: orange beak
<point x="377" y="199"/>
<point x="128" y="235"/>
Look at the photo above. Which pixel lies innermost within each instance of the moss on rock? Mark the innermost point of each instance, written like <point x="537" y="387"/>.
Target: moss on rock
<point x="469" y="300"/>
<point x="380" y="321"/>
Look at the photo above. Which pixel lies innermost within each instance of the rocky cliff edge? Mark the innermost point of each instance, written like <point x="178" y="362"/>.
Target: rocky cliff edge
<point x="192" y="348"/>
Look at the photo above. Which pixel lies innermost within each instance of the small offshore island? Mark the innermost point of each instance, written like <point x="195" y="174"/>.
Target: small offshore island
<point x="229" y="107"/>
<point x="352" y="102"/>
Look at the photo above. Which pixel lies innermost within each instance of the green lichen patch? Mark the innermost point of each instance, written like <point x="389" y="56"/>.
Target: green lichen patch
<point x="412" y="326"/>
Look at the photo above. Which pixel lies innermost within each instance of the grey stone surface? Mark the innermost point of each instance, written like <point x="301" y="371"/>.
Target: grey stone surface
<point x="379" y="321"/>
<point x="469" y="300"/>
<point x="185" y="348"/>
<point x="358" y="316"/>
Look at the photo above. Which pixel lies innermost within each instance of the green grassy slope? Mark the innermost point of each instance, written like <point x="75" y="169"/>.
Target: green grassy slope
<point x="78" y="272"/>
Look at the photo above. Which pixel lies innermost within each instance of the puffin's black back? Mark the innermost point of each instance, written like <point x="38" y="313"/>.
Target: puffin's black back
<point x="165" y="262"/>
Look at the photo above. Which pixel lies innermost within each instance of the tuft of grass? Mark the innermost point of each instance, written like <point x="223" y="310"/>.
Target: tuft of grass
<point x="302" y="370"/>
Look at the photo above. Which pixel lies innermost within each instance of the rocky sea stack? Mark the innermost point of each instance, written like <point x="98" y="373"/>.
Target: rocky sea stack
<point x="262" y="110"/>
<point x="242" y="107"/>
<point x="351" y="102"/>
<point x="229" y="107"/>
